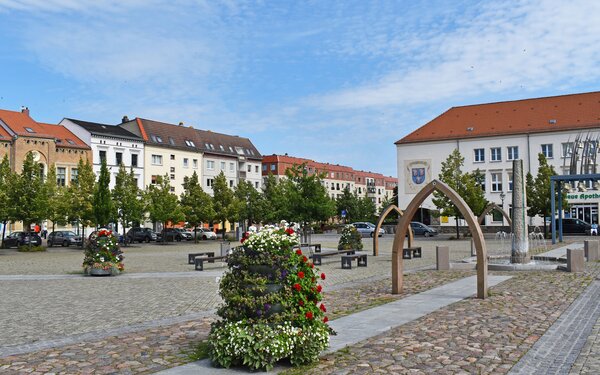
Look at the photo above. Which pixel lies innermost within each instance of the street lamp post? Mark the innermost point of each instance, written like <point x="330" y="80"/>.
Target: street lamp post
<point x="502" y="196"/>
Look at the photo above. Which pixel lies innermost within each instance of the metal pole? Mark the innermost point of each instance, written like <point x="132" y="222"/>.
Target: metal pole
<point x="552" y="211"/>
<point x="560" y="215"/>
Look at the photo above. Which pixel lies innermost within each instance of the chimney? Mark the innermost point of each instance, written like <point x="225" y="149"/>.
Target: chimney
<point x="124" y="119"/>
<point x="25" y="110"/>
<point x="180" y="123"/>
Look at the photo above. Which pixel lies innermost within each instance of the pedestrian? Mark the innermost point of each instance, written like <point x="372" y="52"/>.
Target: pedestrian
<point x="44" y="231"/>
<point x="36" y="229"/>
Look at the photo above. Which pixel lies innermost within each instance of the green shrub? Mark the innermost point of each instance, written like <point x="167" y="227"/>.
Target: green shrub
<point x="32" y="249"/>
<point x="350" y="239"/>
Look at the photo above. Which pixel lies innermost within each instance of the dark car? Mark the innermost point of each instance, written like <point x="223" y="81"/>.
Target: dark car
<point x="63" y="238"/>
<point x="141" y="235"/>
<point x="16" y="239"/>
<point x="574" y="226"/>
<point x="185" y="234"/>
<point x="171" y="234"/>
<point x="420" y="229"/>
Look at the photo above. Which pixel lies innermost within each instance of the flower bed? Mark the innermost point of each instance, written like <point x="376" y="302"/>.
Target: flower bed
<point x="350" y="239"/>
<point x="103" y="255"/>
<point x="271" y="309"/>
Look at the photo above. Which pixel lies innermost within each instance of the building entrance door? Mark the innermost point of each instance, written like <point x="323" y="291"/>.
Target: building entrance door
<point x="585" y="212"/>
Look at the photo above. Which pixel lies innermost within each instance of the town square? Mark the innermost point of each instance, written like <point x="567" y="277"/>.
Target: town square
<point x="314" y="187"/>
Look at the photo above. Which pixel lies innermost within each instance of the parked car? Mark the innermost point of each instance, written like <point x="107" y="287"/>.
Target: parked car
<point x="420" y="229"/>
<point x="574" y="226"/>
<point x="367" y="229"/>
<point x="205" y="234"/>
<point x="186" y="235"/>
<point x="16" y="239"/>
<point x="64" y="238"/>
<point x="141" y="235"/>
<point x="170" y="234"/>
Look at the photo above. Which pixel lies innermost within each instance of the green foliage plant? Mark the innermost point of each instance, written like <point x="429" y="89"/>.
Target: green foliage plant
<point x="350" y="239"/>
<point x="31" y="249"/>
<point x="103" y="252"/>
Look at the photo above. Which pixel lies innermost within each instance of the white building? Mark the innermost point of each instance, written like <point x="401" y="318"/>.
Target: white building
<point x="113" y="143"/>
<point x="489" y="137"/>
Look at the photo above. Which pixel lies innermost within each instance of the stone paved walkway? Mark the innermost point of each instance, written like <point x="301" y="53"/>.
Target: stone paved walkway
<point x="556" y="351"/>
<point x="588" y="361"/>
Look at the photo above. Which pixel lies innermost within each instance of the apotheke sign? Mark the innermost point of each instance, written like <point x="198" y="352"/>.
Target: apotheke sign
<point x="583" y="196"/>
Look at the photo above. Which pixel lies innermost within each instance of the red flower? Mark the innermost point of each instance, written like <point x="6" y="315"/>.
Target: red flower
<point x="297" y="287"/>
<point x="299" y="252"/>
<point x="319" y="288"/>
<point x="322" y="276"/>
<point x="312" y="265"/>
<point x="301" y="303"/>
<point x="243" y="239"/>
<point x="325" y="319"/>
<point x="322" y="307"/>
<point x="289" y="231"/>
<point x="304" y="258"/>
<point x="301" y="275"/>
<point x="309" y="315"/>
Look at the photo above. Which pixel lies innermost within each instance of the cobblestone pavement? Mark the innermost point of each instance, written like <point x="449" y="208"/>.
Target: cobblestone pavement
<point x="472" y="336"/>
<point x="588" y="361"/>
<point x="158" y="348"/>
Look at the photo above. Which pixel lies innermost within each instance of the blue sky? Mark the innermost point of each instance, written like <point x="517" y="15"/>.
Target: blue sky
<point x="335" y="81"/>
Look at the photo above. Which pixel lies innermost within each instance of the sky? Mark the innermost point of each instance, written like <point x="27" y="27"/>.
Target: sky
<point x="333" y="81"/>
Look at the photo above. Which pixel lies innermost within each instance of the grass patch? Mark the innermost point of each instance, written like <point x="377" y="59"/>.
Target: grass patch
<point x="198" y="352"/>
<point x="32" y="249"/>
<point x="75" y="272"/>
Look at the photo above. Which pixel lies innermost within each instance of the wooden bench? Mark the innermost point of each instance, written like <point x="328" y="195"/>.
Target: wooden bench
<point x="194" y="255"/>
<point x="411" y="252"/>
<point x="199" y="261"/>
<point x="361" y="261"/>
<point x="317" y="257"/>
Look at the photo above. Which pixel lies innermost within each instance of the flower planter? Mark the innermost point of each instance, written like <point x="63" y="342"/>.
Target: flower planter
<point x="100" y="272"/>
<point x="276" y="308"/>
<point x="263" y="269"/>
<point x="273" y="288"/>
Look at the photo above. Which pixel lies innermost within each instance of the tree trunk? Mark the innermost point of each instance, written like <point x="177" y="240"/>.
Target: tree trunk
<point x="3" y="232"/>
<point x="195" y="233"/>
<point x="457" y="228"/>
<point x="124" y="234"/>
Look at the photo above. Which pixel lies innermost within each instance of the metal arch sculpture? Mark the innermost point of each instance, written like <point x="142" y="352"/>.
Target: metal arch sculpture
<point x="489" y="208"/>
<point x="404" y="223"/>
<point x="382" y="216"/>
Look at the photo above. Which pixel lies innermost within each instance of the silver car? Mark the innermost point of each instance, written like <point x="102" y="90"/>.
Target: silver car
<point x="205" y="234"/>
<point x="367" y="229"/>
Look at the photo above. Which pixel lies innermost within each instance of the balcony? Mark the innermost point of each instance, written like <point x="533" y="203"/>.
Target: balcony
<point x="242" y="175"/>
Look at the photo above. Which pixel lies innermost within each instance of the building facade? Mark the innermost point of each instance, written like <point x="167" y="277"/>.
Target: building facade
<point x="337" y="178"/>
<point x="490" y="136"/>
<point x="112" y="143"/>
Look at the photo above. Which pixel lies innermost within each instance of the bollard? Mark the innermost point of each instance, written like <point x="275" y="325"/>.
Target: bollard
<point x="575" y="260"/>
<point x="591" y="249"/>
<point x="442" y="254"/>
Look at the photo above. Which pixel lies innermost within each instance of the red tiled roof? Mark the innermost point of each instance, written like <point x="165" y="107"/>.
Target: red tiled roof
<point x="64" y="137"/>
<point x="556" y="113"/>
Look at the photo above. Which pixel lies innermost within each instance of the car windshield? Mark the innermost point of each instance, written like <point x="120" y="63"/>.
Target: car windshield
<point x="70" y="234"/>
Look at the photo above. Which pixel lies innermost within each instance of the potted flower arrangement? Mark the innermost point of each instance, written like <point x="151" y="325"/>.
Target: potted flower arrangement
<point x="272" y="307"/>
<point x="350" y="239"/>
<point x="103" y="257"/>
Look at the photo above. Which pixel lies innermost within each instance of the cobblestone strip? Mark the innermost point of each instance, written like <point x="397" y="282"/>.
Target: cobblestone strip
<point x="556" y="351"/>
<point x="139" y="275"/>
<point x="588" y="361"/>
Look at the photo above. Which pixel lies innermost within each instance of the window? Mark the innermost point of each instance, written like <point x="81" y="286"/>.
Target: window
<point x="156" y="138"/>
<point x="119" y="158"/>
<point x="510" y="181"/>
<point x="186" y="163"/>
<point x="209" y="182"/>
<point x="337" y="186"/>
<point x="496" y="182"/>
<point x="264" y="167"/>
<point x="567" y="149"/>
<point x="210" y="165"/>
<point x="172" y="157"/>
<point x="479" y="155"/>
<point x="273" y="167"/>
<point x="29" y="130"/>
<point x="172" y="141"/>
<point x="70" y="141"/>
<point x="221" y="148"/>
<point x="172" y="176"/>
<point x="249" y="168"/>
<point x="232" y="167"/>
<point x="102" y="156"/>
<point x="547" y="151"/>
<point x="222" y="165"/>
<point x="73" y="175"/>
<point x="481" y="181"/>
<point x="256" y="169"/>
<point x="61" y="176"/>
<point x="230" y="183"/>
<point x="172" y="189"/>
<point x="497" y="216"/>
<point x="172" y="169"/>
<point x="512" y="153"/>
<point x="156" y="159"/>
<point x="195" y="163"/>
<point x="134" y="160"/>
<point x="496" y="154"/>
<point x="256" y="184"/>
<point x="190" y="143"/>
<point x="154" y="179"/>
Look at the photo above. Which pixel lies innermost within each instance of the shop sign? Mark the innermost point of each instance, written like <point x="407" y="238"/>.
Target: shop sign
<point x="583" y="196"/>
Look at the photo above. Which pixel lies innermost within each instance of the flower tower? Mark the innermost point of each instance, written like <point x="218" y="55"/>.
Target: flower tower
<point x="350" y="239"/>
<point x="103" y="257"/>
<point x="272" y="307"/>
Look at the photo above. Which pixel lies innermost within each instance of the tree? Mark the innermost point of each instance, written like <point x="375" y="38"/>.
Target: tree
<point x="366" y="210"/>
<point x="274" y="206"/>
<point x="128" y="199"/>
<point x="539" y="198"/>
<point x="57" y="203"/>
<point x="225" y="203"/>
<point x="27" y="194"/>
<point x="163" y="206"/>
<point x="6" y="206"/>
<point x="250" y="203"/>
<point x="306" y="197"/>
<point x="347" y="202"/>
<point x="196" y="203"/>
<point x="103" y="204"/>
<point x="467" y="185"/>
<point x="80" y="196"/>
